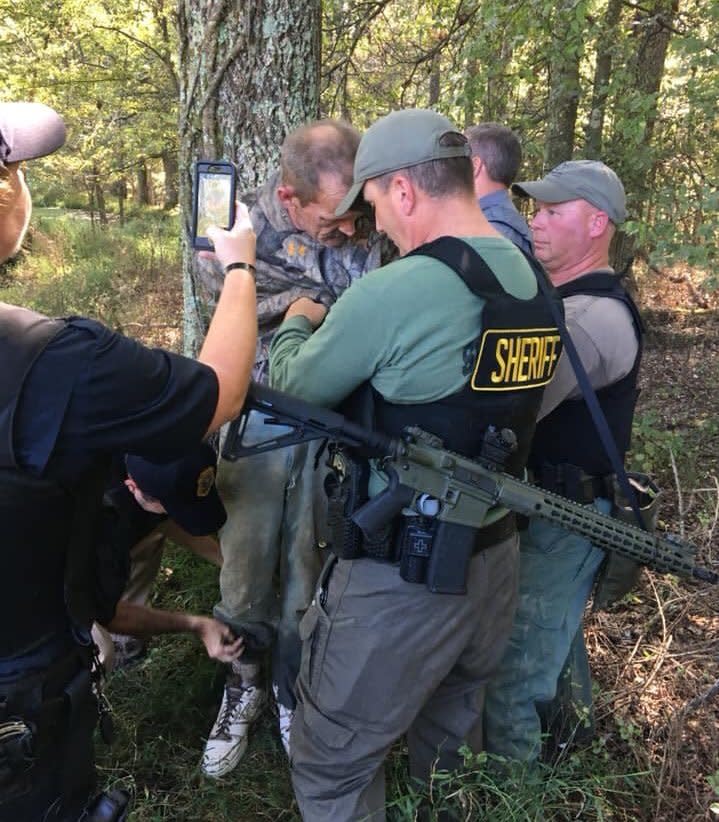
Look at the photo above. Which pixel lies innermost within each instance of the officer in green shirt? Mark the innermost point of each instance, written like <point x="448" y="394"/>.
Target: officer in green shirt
<point x="448" y="338"/>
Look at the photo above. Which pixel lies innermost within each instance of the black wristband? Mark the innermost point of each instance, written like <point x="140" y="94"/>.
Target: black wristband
<point x="246" y="266"/>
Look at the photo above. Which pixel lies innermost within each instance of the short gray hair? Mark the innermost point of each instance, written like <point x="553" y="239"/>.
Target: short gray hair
<point x="323" y="147"/>
<point x="499" y="149"/>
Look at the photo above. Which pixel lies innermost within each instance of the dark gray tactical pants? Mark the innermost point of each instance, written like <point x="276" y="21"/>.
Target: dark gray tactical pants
<point x="382" y="657"/>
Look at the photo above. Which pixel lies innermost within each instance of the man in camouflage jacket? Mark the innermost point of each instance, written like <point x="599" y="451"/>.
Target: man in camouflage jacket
<point x="273" y="500"/>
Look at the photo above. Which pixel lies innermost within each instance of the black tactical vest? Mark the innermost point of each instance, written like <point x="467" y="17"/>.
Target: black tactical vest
<point x="567" y="435"/>
<point x="508" y="366"/>
<point x="35" y="513"/>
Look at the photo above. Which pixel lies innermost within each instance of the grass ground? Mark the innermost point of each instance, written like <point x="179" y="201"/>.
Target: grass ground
<point x="655" y="657"/>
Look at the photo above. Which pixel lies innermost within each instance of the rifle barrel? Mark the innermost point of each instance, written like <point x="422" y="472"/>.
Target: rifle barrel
<point x="666" y="554"/>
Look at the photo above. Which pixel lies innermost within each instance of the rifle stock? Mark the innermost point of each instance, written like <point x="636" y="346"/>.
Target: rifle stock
<point x="466" y="489"/>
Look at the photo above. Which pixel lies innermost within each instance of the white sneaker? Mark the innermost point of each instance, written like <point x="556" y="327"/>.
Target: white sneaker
<point x="227" y="743"/>
<point x="285" y="716"/>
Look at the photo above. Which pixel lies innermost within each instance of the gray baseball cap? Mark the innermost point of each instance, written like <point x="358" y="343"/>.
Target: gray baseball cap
<point x="29" y="130"/>
<point x="587" y="180"/>
<point x="400" y="140"/>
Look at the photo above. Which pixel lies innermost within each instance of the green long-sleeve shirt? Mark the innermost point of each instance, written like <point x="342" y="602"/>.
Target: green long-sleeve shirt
<point x="405" y="327"/>
<point x="408" y="327"/>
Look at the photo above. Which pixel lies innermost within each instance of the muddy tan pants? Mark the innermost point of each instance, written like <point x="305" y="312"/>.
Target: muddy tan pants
<point x="273" y="507"/>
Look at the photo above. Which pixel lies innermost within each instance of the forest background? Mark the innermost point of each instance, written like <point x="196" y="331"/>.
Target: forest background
<point x="148" y="86"/>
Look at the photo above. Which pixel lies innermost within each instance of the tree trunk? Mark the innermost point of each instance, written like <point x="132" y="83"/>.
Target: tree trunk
<point x="654" y="33"/>
<point x="142" y="192"/>
<point x="171" y="169"/>
<point x="100" y="200"/>
<point x="121" y="189"/>
<point x="470" y="93"/>
<point x="564" y="83"/>
<point x="249" y="73"/>
<point x="488" y="87"/>
<point x="652" y="29"/>
<point x="602" y="74"/>
<point x="90" y="185"/>
<point x="434" y="83"/>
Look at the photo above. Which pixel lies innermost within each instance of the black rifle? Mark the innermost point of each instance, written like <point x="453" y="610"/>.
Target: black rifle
<point x="417" y="465"/>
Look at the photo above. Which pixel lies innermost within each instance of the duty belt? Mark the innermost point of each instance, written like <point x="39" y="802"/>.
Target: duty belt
<point x="496" y="532"/>
<point x="383" y="548"/>
<point x="45" y="700"/>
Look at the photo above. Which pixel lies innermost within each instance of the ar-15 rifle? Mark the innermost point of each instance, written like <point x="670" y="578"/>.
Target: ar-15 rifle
<point x="418" y="465"/>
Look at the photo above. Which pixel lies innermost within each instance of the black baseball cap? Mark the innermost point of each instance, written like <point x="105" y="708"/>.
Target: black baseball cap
<point x="29" y="130"/>
<point x="186" y="488"/>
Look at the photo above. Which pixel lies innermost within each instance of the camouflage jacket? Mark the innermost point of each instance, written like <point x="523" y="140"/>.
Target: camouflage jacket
<point x="290" y="264"/>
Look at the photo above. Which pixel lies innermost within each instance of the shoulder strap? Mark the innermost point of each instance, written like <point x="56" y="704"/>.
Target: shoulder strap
<point x="474" y="270"/>
<point x="465" y="262"/>
<point x="603" y="284"/>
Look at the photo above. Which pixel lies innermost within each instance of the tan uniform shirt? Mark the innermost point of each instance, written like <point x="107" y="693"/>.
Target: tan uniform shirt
<point x="603" y="332"/>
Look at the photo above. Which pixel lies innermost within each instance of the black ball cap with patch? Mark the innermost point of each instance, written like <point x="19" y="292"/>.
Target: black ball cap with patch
<point x="185" y="487"/>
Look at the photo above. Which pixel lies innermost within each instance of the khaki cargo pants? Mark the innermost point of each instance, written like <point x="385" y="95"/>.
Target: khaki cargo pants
<point x="382" y="657"/>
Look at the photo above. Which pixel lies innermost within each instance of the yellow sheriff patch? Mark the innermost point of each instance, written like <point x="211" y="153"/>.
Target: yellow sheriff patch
<point x="510" y="359"/>
<point x="205" y="481"/>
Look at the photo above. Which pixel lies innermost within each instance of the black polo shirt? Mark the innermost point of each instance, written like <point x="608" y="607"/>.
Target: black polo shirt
<point x="94" y="392"/>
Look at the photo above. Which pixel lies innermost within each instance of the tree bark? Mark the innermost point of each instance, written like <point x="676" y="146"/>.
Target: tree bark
<point x="434" y="83"/>
<point x="470" y="93"/>
<point x="100" y="200"/>
<point x="121" y="190"/>
<point x="652" y="29"/>
<point x="607" y="40"/>
<point x="170" y="167"/>
<point x="564" y="82"/>
<point x="142" y="190"/>
<point x="249" y="73"/>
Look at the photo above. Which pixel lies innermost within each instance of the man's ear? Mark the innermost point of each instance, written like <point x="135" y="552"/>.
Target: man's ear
<point x="477" y="166"/>
<point x="285" y="193"/>
<point x="598" y="224"/>
<point x="403" y="193"/>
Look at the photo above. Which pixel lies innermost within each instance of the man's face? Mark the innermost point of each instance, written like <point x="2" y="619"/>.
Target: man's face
<point x="561" y="233"/>
<point x="317" y="217"/>
<point x="15" y="211"/>
<point x="384" y="212"/>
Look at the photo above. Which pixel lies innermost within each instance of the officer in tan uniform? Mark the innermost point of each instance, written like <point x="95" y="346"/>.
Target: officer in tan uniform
<point x="579" y="205"/>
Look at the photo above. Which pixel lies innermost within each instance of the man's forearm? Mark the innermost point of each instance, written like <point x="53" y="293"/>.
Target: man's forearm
<point x="229" y="347"/>
<point x="143" y="620"/>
